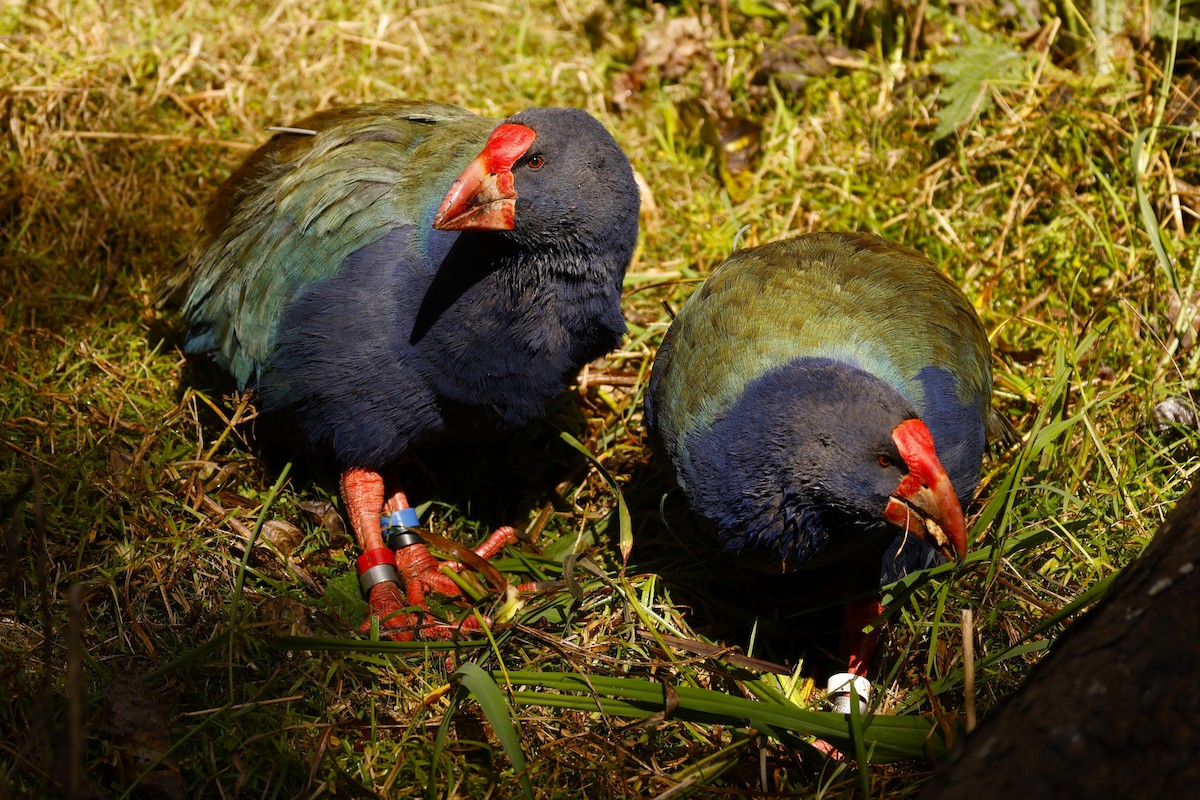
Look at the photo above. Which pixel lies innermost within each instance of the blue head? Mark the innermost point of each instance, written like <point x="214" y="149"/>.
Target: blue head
<point x="816" y="461"/>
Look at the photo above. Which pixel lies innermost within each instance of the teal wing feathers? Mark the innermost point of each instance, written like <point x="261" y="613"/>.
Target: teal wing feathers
<point x="302" y="203"/>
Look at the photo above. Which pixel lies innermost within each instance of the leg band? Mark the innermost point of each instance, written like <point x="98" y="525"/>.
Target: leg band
<point x="376" y="566"/>
<point x="398" y="528"/>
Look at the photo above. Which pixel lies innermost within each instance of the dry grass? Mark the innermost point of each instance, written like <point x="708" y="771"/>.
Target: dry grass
<point x="138" y="649"/>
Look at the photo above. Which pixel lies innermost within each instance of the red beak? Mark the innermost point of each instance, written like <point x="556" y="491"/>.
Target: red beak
<point x="925" y="503"/>
<point x="483" y="197"/>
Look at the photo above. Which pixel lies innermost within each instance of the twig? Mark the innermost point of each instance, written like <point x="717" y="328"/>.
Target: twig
<point x="968" y="634"/>
<point x="156" y="137"/>
<point x="75" y="692"/>
<point x="716" y="651"/>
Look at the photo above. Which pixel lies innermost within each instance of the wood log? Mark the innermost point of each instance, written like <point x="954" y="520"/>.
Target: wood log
<point x="1113" y="710"/>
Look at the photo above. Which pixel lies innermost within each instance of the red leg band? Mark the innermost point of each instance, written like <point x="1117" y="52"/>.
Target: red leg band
<point x="376" y="566"/>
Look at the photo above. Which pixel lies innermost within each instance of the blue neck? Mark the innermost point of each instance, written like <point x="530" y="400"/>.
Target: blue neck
<point x="771" y="478"/>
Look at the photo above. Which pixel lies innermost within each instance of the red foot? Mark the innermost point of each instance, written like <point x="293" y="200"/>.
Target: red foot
<point x="828" y="750"/>
<point x="404" y="615"/>
<point x="422" y="575"/>
<point x="400" y="624"/>
<point x="495" y="542"/>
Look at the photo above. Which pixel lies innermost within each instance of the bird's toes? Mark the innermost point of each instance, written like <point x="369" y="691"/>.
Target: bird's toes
<point x="432" y="582"/>
<point x="387" y="604"/>
<point x="405" y="619"/>
<point x="422" y="625"/>
<point x="434" y="629"/>
<point x="396" y="628"/>
<point x="828" y="750"/>
<point x="408" y="626"/>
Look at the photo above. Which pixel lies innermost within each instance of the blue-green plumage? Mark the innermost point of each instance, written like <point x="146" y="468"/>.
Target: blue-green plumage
<point x="778" y="388"/>
<point x="292" y="214"/>
<point x="392" y="275"/>
<point x="323" y="284"/>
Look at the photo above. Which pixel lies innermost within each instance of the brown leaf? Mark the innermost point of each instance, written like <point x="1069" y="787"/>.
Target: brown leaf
<point x="285" y="616"/>
<point x="1177" y="410"/>
<point x="119" y="464"/>
<point x="282" y="535"/>
<point x="738" y="141"/>
<point x="327" y="516"/>
<point x="136" y="727"/>
<point x="671" y="47"/>
<point x="795" y="58"/>
<point x="1190" y="324"/>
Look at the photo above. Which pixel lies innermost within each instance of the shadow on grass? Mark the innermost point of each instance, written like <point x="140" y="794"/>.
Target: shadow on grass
<point x="781" y="618"/>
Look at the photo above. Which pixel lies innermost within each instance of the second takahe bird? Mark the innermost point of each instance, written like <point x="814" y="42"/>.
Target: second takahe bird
<point x="396" y="275"/>
<point x="824" y="403"/>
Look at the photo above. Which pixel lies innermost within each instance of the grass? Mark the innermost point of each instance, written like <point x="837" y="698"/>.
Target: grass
<point x="175" y="613"/>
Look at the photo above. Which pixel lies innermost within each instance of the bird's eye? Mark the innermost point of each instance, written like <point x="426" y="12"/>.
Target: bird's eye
<point x="535" y="163"/>
<point x="885" y="461"/>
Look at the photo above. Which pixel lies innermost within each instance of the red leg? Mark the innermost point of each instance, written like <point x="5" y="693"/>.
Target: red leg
<point x="859" y="646"/>
<point x="363" y="492"/>
<point x="490" y="547"/>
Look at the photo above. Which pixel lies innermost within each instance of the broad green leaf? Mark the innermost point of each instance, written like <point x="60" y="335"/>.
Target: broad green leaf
<point x="491" y="701"/>
<point x="884" y="738"/>
<point x="968" y="77"/>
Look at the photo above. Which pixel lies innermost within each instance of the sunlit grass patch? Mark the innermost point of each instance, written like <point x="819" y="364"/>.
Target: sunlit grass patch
<point x="1062" y="198"/>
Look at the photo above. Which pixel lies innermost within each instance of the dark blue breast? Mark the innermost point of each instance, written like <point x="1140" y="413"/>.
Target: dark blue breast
<point x="742" y="473"/>
<point x="413" y="342"/>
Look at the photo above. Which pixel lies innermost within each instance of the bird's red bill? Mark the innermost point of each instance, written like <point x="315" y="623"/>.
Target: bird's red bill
<point x="483" y="198"/>
<point x="925" y="503"/>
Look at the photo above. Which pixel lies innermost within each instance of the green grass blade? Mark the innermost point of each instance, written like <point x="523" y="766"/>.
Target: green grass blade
<point x="1149" y="218"/>
<point x="483" y="688"/>
<point x="240" y="581"/>
<point x="262" y="517"/>
<point x="335" y="645"/>
<point x="859" y="745"/>
<point x="439" y="742"/>
<point x="885" y="738"/>
<point x="624" y="523"/>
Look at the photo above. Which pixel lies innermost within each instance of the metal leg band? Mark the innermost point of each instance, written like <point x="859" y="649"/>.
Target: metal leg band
<point x="398" y="539"/>
<point x="380" y="573"/>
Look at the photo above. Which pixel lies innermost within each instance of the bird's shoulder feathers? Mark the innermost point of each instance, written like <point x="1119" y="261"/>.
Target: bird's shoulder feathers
<point x="302" y="203"/>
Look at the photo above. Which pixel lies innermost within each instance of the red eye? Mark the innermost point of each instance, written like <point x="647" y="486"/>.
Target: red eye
<point x="535" y="163"/>
<point x="884" y="461"/>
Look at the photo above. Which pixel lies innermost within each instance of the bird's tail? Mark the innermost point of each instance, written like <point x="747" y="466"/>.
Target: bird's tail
<point x="171" y="289"/>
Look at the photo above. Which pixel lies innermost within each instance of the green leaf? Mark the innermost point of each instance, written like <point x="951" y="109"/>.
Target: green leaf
<point x="1149" y="218"/>
<point x="1167" y="23"/>
<point x="757" y="8"/>
<point x="883" y="737"/>
<point x="968" y="77"/>
<point x="491" y="701"/>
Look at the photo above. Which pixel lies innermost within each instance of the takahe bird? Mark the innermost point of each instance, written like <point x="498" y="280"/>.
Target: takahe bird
<point x="823" y="402"/>
<point x="396" y="275"/>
